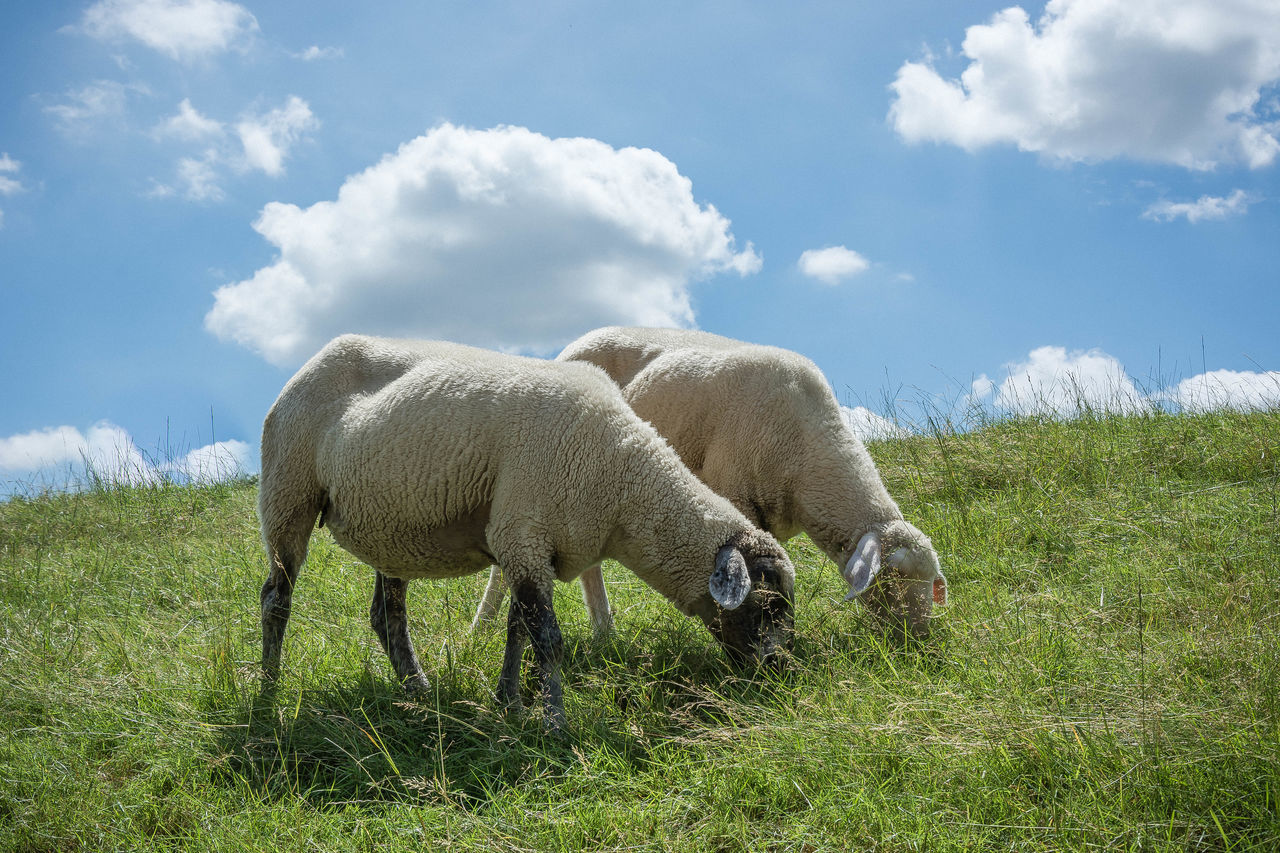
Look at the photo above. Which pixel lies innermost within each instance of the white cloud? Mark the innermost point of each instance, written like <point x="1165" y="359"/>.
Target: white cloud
<point x="316" y="52"/>
<point x="181" y="29"/>
<point x="982" y="387"/>
<point x="63" y="456"/>
<point x="1225" y="389"/>
<point x="102" y="99"/>
<point x="1170" y="81"/>
<point x="267" y="137"/>
<point x="9" y="186"/>
<point x="105" y="453"/>
<point x="833" y="264"/>
<point x="1205" y="207"/>
<point x="199" y="177"/>
<point x="869" y="426"/>
<point x="223" y="460"/>
<point x="189" y="125"/>
<point x="500" y="237"/>
<point x="264" y="142"/>
<point x="1054" y="382"/>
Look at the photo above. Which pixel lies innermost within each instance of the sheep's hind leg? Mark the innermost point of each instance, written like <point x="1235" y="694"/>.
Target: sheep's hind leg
<point x="491" y="600"/>
<point x="286" y="550"/>
<point x="532" y="615"/>
<point x="390" y="620"/>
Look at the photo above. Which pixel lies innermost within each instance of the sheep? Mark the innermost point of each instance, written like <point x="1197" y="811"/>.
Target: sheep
<point x="436" y="460"/>
<point x="761" y="426"/>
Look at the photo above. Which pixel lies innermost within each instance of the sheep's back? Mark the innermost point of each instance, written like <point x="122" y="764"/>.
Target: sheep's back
<point x="419" y="449"/>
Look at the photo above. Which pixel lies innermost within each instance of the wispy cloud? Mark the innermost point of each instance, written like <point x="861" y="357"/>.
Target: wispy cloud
<point x="1205" y="207"/>
<point x="315" y="52"/>
<point x="84" y="108"/>
<point x="267" y="137"/>
<point x="189" y="125"/>
<point x="262" y="141"/>
<point x="9" y="183"/>
<point x="183" y="30"/>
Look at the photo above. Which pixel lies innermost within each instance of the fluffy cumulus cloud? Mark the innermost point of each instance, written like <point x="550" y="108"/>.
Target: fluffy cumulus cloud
<point x="184" y="30"/>
<point x="105" y="453"/>
<point x="833" y="264"/>
<point x="1226" y="389"/>
<point x="1057" y="382"/>
<point x="213" y="463"/>
<point x="1169" y="81"/>
<point x="1052" y="381"/>
<point x="1205" y="207"/>
<point x="501" y="237"/>
<point x="869" y="426"/>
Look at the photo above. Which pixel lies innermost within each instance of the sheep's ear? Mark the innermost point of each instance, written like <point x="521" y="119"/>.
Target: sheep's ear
<point x="863" y="565"/>
<point x="730" y="582"/>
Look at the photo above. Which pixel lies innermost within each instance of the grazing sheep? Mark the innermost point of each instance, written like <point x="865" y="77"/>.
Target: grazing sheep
<point x="430" y="459"/>
<point x="761" y="426"/>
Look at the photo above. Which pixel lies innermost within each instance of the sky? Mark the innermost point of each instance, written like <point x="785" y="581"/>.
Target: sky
<point x="942" y="204"/>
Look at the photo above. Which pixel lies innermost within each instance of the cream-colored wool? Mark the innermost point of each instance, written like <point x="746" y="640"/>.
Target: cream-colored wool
<point x="429" y="459"/>
<point x="761" y="426"/>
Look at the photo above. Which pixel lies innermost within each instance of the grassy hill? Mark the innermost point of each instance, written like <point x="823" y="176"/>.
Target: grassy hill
<point x="1107" y="676"/>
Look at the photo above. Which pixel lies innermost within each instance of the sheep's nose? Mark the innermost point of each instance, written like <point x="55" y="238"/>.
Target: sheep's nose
<point x="772" y="654"/>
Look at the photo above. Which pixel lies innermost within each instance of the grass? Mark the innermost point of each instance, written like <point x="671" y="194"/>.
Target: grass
<point x="1107" y="677"/>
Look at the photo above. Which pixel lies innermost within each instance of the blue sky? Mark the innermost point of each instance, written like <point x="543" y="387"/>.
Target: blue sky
<point x="934" y="201"/>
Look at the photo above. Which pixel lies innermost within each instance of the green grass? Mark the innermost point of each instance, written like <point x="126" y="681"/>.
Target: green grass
<point x="1107" y="677"/>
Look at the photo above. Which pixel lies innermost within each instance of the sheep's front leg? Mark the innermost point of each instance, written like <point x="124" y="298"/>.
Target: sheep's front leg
<point x="491" y="600"/>
<point x="390" y="620"/>
<point x="597" y="601"/>
<point x="531" y="616"/>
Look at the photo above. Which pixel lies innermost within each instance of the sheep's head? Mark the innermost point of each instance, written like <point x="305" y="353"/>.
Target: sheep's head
<point x="896" y="573"/>
<point x="751" y="611"/>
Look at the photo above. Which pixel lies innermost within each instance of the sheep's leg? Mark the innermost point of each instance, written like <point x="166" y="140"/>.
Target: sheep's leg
<point x="508" y="692"/>
<point x="597" y="601"/>
<point x="531" y="608"/>
<point x="277" y="601"/>
<point x="390" y="620"/>
<point x="491" y="600"/>
<point x="286" y="550"/>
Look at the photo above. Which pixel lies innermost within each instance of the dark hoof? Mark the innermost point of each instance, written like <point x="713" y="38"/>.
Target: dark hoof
<point x="416" y="684"/>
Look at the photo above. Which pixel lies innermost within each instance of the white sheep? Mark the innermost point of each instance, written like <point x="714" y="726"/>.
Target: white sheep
<point x="761" y="426"/>
<point x="429" y="459"/>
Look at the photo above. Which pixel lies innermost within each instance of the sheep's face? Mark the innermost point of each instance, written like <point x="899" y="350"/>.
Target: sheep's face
<point x="902" y="587"/>
<point x="752" y="612"/>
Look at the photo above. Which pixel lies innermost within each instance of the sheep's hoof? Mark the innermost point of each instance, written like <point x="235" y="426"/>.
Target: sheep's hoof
<point x="602" y="631"/>
<point x="553" y="722"/>
<point x="509" y="704"/>
<point x="416" y="684"/>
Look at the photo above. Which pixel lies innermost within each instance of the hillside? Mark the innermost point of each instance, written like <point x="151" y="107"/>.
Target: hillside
<point x="1107" y="676"/>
